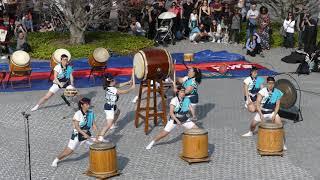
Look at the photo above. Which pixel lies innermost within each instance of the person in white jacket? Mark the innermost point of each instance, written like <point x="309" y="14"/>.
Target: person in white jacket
<point x="288" y="26"/>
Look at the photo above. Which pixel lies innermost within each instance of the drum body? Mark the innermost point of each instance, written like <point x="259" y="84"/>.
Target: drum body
<point x="56" y="57"/>
<point x="99" y="57"/>
<point x="20" y="63"/>
<point x="188" y="56"/>
<point x="270" y="138"/>
<point x="195" y="144"/>
<point x="103" y="159"/>
<point x="152" y="64"/>
<point x="70" y="92"/>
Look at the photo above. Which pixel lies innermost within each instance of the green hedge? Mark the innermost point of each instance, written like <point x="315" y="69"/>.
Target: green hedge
<point x="44" y="44"/>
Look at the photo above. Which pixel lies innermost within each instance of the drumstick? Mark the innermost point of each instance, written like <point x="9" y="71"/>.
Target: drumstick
<point x="133" y="78"/>
<point x="174" y="76"/>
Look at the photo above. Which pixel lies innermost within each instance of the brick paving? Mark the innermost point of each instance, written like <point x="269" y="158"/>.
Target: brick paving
<point x="220" y="112"/>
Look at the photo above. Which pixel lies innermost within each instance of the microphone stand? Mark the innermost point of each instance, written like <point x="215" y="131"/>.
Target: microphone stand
<point x="26" y="117"/>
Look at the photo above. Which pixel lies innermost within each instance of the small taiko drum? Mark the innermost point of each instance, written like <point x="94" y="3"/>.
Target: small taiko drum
<point x="99" y="57"/>
<point x="56" y="57"/>
<point x="152" y="64"/>
<point x="270" y="138"/>
<point x="188" y="56"/>
<point x="195" y="143"/>
<point x="103" y="159"/>
<point x="20" y="63"/>
<point x="70" y="91"/>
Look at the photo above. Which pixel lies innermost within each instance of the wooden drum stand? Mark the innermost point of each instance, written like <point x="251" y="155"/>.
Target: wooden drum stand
<point x="151" y="88"/>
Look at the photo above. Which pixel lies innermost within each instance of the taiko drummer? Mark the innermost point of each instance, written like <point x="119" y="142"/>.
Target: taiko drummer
<point x="268" y="105"/>
<point x="180" y="109"/>
<point x="62" y="78"/>
<point x="83" y="122"/>
<point x="111" y="97"/>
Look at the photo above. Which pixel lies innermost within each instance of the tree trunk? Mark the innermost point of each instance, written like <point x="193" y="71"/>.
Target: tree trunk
<point x="76" y="35"/>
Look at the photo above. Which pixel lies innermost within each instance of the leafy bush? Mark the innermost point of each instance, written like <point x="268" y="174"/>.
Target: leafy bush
<point x="44" y="44"/>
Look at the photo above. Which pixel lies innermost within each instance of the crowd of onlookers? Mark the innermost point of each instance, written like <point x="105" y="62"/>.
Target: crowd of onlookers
<point x="197" y="20"/>
<point x="222" y="21"/>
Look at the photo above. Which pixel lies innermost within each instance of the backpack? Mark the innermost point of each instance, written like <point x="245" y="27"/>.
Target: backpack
<point x="303" y="68"/>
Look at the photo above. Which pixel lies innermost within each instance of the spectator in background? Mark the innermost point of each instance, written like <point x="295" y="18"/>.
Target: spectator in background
<point x="199" y="34"/>
<point x="176" y="29"/>
<point x="236" y="26"/>
<point x="193" y="21"/>
<point x="310" y="33"/>
<point x="288" y="25"/>
<point x="27" y="22"/>
<point x="204" y="15"/>
<point x="252" y="46"/>
<point x="216" y="9"/>
<point x="187" y="11"/>
<point x="215" y="31"/>
<point x="264" y="28"/>
<point x="252" y="16"/>
<point x="243" y="10"/>
<point x="136" y="28"/>
<point x="21" y="35"/>
<point x="299" y="14"/>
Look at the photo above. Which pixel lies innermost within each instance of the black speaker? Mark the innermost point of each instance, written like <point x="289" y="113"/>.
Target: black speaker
<point x="292" y="114"/>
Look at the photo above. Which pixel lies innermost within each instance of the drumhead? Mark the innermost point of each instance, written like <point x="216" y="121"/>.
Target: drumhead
<point x="102" y="146"/>
<point x="139" y="65"/>
<point x="196" y="131"/>
<point x="20" y="58"/>
<point x="170" y="65"/>
<point x="101" y="55"/>
<point x="266" y="125"/>
<point x="57" y="55"/>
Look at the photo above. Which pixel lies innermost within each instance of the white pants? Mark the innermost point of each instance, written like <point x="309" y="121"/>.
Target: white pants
<point x="266" y="116"/>
<point x="54" y="88"/>
<point x="170" y="125"/>
<point x="73" y="144"/>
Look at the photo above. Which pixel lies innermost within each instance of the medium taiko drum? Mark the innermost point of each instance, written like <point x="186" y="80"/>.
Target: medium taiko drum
<point x="195" y="143"/>
<point x="20" y="63"/>
<point x="99" y="57"/>
<point x="152" y="64"/>
<point x="103" y="159"/>
<point x="188" y="56"/>
<point x="56" y="57"/>
<point x="270" y="138"/>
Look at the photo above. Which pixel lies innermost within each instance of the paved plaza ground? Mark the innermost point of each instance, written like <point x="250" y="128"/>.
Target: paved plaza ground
<point x="220" y="112"/>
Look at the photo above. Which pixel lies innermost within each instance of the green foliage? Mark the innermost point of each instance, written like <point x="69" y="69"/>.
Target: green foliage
<point x="44" y="44"/>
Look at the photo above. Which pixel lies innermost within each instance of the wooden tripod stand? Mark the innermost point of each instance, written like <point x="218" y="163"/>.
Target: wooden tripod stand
<point x="149" y="108"/>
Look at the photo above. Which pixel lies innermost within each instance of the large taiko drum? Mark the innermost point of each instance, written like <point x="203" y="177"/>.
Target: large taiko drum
<point x="56" y="57"/>
<point x="99" y="57"/>
<point x="20" y="63"/>
<point x="103" y="159"/>
<point x="270" y="138"/>
<point x="152" y="64"/>
<point x="195" y="143"/>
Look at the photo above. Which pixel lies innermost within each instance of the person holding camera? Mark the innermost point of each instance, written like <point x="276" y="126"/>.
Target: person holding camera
<point x="310" y="33"/>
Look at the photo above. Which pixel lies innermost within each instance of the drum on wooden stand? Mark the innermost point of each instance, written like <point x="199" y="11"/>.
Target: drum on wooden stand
<point x="103" y="160"/>
<point x="153" y="64"/>
<point x="99" y="57"/>
<point x="195" y="145"/>
<point x="56" y="57"/>
<point x="270" y="139"/>
<point x="20" y="63"/>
